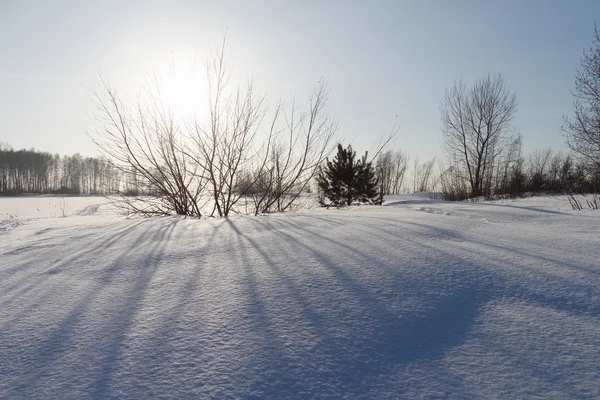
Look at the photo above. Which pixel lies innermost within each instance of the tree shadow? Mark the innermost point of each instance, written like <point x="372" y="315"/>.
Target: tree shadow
<point x="301" y="314"/>
<point x="157" y="364"/>
<point x="382" y="340"/>
<point x="37" y="278"/>
<point x="122" y="321"/>
<point x="367" y="338"/>
<point x="60" y="352"/>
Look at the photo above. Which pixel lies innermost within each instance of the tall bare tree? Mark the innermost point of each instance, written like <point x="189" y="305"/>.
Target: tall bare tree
<point x="583" y="129"/>
<point x="476" y="126"/>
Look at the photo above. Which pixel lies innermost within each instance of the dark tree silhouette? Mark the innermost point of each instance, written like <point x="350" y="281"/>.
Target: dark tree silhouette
<point x="368" y="184"/>
<point x="346" y="180"/>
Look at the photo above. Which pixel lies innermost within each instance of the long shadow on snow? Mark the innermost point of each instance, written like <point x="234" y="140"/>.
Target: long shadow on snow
<point x="41" y="276"/>
<point x="60" y="341"/>
<point x="442" y="233"/>
<point x="122" y="320"/>
<point x="420" y="330"/>
<point x="162" y="370"/>
<point x="107" y="238"/>
<point x="527" y="208"/>
<point x="381" y="340"/>
<point x="415" y="201"/>
<point x="279" y="378"/>
<point x="579" y="302"/>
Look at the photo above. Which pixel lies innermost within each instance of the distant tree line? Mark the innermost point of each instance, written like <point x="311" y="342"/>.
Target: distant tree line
<point x="514" y="175"/>
<point x="484" y="157"/>
<point x="484" y="151"/>
<point x="36" y="172"/>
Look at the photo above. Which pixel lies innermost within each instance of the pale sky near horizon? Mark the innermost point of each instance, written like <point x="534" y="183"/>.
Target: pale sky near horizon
<point x="381" y="59"/>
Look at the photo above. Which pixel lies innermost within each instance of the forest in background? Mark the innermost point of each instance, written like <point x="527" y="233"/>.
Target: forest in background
<point x="36" y="172"/>
<point x="541" y="171"/>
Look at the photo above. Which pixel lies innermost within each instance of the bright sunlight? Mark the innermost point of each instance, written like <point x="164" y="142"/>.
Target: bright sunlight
<point x="184" y="88"/>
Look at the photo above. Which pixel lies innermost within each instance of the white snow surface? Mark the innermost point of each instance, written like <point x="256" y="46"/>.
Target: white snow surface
<point x="415" y="299"/>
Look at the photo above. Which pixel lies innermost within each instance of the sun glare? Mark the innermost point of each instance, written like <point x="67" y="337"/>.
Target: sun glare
<point x="184" y="88"/>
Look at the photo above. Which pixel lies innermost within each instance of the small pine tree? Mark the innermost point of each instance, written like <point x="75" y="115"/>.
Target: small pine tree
<point x="368" y="183"/>
<point x="336" y="179"/>
<point x="345" y="180"/>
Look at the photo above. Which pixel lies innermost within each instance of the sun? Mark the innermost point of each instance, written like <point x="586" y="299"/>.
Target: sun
<point x="184" y="88"/>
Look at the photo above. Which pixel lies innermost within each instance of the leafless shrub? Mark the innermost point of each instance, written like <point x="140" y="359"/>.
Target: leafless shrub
<point x="213" y="163"/>
<point x="423" y="175"/>
<point x="575" y="204"/>
<point x="391" y="170"/>
<point x="297" y="149"/>
<point x="146" y="142"/>
<point x="224" y="144"/>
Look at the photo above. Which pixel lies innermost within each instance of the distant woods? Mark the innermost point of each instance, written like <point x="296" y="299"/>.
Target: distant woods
<point x="509" y="174"/>
<point x="36" y="172"/>
<point x="512" y="174"/>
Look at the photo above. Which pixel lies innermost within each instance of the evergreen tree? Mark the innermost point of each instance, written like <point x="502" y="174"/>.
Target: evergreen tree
<point x="368" y="183"/>
<point x="345" y="180"/>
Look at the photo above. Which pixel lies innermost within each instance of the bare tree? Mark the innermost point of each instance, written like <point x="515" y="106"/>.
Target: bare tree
<point x="241" y="155"/>
<point x="401" y="160"/>
<point x="538" y="163"/>
<point x="297" y="150"/>
<point x="451" y="185"/>
<point x="476" y="127"/>
<point x="148" y="143"/>
<point x="225" y="142"/>
<point x="554" y="171"/>
<point x="385" y="171"/>
<point x="391" y="168"/>
<point x="509" y="177"/>
<point x="213" y="163"/>
<point x="583" y="129"/>
<point x="422" y="175"/>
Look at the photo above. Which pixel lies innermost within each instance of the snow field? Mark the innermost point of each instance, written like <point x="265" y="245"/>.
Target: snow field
<point x="413" y="299"/>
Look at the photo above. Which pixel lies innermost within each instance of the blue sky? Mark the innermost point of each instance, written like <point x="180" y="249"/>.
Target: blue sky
<point x="381" y="59"/>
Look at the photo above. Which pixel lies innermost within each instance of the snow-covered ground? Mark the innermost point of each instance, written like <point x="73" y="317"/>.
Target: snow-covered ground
<point x="16" y="211"/>
<point x="414" y="299"/>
